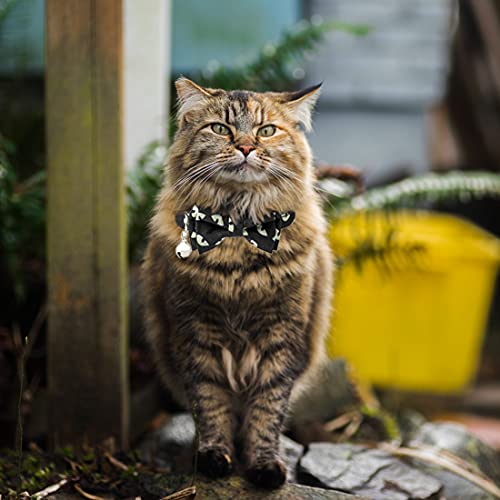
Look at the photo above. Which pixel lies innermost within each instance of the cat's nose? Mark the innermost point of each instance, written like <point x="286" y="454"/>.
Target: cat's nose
<point x="246" y="149"/>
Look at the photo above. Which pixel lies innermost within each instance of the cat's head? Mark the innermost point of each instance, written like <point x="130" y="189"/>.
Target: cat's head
<point x="241" y="141"/>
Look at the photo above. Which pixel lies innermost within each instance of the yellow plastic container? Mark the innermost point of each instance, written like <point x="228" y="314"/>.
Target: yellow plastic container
<point x="415" y="319"/>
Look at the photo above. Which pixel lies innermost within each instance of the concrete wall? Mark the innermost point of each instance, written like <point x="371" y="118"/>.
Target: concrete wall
<point x="147" y="74"/>
<point x="377" y="88"/>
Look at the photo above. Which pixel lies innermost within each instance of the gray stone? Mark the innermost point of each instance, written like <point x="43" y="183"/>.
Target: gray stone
<point x="365" y="471"/>
<point x="227" y="489"/>
<point x="179" y="432"/>
<point x="171" y="446"/>
<point x="291" y="452"/>
<point x="458" y="440"/>
<point x="332" y="393"/>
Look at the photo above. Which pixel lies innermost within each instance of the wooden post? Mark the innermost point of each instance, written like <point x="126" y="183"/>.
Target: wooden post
<point x="87" y="344"/>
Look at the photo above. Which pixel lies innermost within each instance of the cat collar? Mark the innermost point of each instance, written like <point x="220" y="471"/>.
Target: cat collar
<point x="203" y="230"/>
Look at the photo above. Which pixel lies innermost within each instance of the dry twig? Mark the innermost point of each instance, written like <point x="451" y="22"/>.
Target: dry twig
<point x="353" y="427"/>
<point x="87" y="495"/>
<point x="114" y="461"/>
<point x="35" y="329"/>
<point x="50" y="489"/>
<point x="186" y="493"/>
<point x="350" y="421"/>
<point x="340" y="421"/>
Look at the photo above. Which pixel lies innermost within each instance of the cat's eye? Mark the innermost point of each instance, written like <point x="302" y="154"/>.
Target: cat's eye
<point x="266" y="131"/>
<point x="220" y="129"/>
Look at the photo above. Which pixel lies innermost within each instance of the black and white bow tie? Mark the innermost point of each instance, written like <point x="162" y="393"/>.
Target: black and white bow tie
<point x="203" y="230"/>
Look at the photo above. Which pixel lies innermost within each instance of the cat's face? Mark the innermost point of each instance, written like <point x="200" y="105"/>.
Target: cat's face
<point x="241" y="139"/>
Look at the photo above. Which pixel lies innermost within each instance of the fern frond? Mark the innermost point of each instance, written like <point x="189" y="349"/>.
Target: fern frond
<point x="273" y="66"/>
<point x="389" y="255"/>
<point x="143" y="184"/>
<point x="429" y="188"/>
<point x="5" y="8"/>
<point x="22" y="218"/>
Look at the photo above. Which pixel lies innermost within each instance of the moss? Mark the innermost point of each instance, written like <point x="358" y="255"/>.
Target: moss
<point x="387" y="421"/>
<point x="472" y="447"/>
<point x="39" y="469"/>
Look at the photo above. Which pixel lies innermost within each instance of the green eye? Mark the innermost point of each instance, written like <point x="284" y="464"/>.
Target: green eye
<point x="266" y="131"/>
<point x="220" y="129"/>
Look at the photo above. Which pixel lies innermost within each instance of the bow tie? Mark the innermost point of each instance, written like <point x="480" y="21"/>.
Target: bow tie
<point x="204" y="230"/>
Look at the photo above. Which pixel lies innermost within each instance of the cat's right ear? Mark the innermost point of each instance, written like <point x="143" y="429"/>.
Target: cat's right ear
<point x="302" y="102"/>
<point x="190" y="97"/>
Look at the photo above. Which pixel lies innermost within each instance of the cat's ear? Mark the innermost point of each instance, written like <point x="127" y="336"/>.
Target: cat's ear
<point x="191" y="96"/>
<point x="302" y="103"/>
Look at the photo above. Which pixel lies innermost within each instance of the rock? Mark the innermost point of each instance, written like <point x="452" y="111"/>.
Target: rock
<point x="458" y="440"/>
<point x="365" y="471"/>
<point x="410" y="422"/>
<point x="332" y="393"/>
<point x="236" y="487"/>
<point x="225" y="489"/>
<point x="178" y="434"/>
<point x="171" y="446"/>
<point x="291" y="452"/>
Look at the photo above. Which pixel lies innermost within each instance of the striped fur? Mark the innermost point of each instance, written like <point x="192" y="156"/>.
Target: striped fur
<point x="236" y="333"/>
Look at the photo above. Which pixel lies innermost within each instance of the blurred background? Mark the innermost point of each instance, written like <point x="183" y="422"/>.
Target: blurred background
<point x="410" y="88"/>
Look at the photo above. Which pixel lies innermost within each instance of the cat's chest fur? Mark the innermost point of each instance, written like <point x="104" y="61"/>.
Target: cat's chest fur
<point x="236" y="267"/>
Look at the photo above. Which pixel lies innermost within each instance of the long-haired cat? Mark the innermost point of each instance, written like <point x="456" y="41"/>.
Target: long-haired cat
<point x="238" y="329"/>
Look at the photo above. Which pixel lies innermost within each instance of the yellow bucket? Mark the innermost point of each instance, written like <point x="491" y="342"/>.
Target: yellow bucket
<point x="413" y="316"/>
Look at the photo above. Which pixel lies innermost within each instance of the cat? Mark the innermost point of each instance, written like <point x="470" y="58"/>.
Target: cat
<point x="236" y="331"/>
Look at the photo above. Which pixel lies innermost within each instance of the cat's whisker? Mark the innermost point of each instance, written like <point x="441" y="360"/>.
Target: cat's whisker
<point x="285" y="172"/>
<point x="192" y="171"/>
<point x="295" y="177"/>
<point x="207" y="174"/>
<point x="183" y="179"/>
<point x="192" y="176"/>
<point x="323" y="193"/>
<point x="281" y="175"/>
<point x="277" y="175"/>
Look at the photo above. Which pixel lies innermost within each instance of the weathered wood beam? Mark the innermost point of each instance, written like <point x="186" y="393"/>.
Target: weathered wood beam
<point x="87" y="344"/>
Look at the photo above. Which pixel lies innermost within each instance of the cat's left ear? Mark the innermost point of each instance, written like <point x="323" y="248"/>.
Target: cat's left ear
<point x="191" y="97"/>
<point x="302" y="103"/>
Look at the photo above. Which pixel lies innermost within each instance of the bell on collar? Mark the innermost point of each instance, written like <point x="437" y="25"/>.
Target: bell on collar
<point x="184" y="249"/>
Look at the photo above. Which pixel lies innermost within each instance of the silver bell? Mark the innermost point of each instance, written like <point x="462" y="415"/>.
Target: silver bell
<point x="183" y="250"/>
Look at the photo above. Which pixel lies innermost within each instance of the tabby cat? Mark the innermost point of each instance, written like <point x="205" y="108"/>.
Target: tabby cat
<point x="237" y="330"/>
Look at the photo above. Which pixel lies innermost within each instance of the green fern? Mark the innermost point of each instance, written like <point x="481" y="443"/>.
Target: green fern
<point x="5" y="8"/>
<point x="144" y="183"/>
<point x="390" y="255"/>
<point x="410" y="193"/>
<point x="22" y="218"/>
<point x="429" y="188"/>
<point x="272" y="68"/>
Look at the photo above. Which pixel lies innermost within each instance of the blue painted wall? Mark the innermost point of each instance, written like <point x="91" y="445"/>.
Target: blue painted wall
<point x="227" y="31"/>
<point x="202" y="31"/>
<point x="22" y="38"/>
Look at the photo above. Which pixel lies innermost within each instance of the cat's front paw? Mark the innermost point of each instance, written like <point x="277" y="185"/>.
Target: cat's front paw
<point x="270" y="474"/>
<point x="215" y="461"/>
